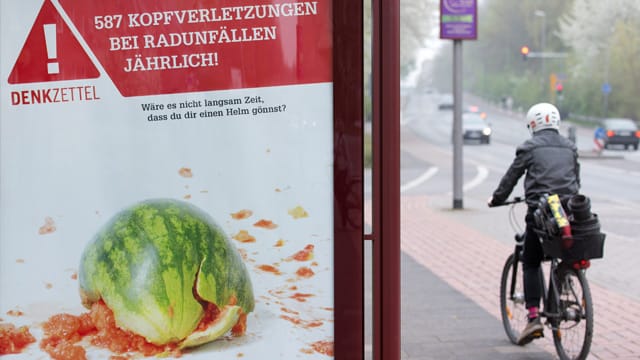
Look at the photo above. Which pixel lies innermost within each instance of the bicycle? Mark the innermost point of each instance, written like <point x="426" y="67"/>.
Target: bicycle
<point x="567" y="306"/>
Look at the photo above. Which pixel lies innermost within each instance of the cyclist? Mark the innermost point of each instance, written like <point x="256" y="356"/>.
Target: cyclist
<point x="550" y="162"/>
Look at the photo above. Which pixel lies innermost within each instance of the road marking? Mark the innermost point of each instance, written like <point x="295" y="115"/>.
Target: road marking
<point x="419" y="180"/>
<point x="482" y="174"/>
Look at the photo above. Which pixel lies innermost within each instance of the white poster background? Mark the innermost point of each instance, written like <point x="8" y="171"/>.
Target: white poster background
<point x="78" y="163"/>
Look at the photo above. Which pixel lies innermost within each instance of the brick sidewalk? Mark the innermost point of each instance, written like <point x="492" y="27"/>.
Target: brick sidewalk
<point x="471" y="263"/>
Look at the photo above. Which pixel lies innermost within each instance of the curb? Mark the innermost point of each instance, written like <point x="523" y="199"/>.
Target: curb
<point x="595" y="155"/>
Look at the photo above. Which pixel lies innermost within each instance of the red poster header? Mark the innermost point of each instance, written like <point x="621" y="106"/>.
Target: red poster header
<point x="174" y="46"/>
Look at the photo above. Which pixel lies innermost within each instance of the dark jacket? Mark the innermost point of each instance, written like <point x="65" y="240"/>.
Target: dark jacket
<point x="551" y="165"/>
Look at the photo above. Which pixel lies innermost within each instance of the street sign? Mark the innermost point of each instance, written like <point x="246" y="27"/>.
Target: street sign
<point x="606" y="88"/>
<point x="458" y="19"/>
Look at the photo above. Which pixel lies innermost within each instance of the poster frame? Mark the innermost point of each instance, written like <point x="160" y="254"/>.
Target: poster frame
<point x="348" y="179"/>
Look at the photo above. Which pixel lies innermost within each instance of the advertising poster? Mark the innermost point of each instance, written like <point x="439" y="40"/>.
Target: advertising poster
<point x="166" y="179"/>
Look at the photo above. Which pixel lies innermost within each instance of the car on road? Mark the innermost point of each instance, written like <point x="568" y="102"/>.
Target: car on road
<point x="475" y="127"/>
<point x="620" y="131"/>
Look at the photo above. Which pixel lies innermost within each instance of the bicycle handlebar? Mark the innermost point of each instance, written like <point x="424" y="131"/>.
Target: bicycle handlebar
<point x="515" y="200"/>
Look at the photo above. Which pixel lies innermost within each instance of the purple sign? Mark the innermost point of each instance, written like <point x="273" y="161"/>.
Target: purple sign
<point x="458" y="19"/>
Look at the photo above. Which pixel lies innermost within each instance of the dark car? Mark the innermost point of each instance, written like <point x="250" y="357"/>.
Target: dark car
<point x="475" y="127"/>
<point x="620" y="131"/>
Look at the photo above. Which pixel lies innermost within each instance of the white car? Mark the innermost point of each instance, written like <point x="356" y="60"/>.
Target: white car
<point x="474" y="127"/>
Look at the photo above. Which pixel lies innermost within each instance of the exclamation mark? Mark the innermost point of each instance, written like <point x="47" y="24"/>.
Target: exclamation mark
<point x="53" y="67"/>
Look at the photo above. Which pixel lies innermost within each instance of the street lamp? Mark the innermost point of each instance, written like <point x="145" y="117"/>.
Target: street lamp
<point x="543" y="35"/>
<point x="543" y="15"/>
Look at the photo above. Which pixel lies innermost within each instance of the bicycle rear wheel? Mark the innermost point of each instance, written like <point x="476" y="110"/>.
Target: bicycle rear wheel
<point x="512" y="305"/>
<point x="573" y="331"/>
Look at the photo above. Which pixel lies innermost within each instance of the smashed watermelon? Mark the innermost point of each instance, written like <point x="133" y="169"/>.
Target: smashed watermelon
<point x="159" y="265"/>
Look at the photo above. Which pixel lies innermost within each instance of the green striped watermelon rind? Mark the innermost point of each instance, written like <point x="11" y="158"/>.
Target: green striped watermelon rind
<point x="148" y="260"/>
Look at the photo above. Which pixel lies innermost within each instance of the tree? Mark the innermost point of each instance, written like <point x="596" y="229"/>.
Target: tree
<point x="417" y="18"/>
<point x="625" y="74"/>
<point x="604" y="38"/>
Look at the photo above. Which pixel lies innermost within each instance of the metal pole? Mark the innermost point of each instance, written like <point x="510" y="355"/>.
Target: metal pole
<point x="543" y="36"/>
<point x="606" y="78"/>
<point x="543" y="44"/>
<point x="457" y="124"/>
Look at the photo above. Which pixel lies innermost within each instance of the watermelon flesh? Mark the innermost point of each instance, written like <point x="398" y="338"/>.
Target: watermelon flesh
<point x="156" y="264"/>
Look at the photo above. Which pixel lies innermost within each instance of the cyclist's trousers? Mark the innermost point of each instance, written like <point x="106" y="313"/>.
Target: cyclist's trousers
<point x="531" y="259"/>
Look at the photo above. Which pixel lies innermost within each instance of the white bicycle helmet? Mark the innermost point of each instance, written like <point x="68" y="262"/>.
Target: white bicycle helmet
<point x="543" y="116"/>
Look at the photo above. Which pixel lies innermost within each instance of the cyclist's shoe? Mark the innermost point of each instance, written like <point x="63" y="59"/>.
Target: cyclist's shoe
<point x="533" y="330"/>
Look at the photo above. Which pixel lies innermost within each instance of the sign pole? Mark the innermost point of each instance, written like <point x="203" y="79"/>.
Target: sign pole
<point x="457" y="125"/>
<point x="458" y="21"/>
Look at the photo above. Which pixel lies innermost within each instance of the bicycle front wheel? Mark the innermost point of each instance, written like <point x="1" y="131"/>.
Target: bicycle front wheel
<point x="512" y="305"/>
<point x="573" y="330"/>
